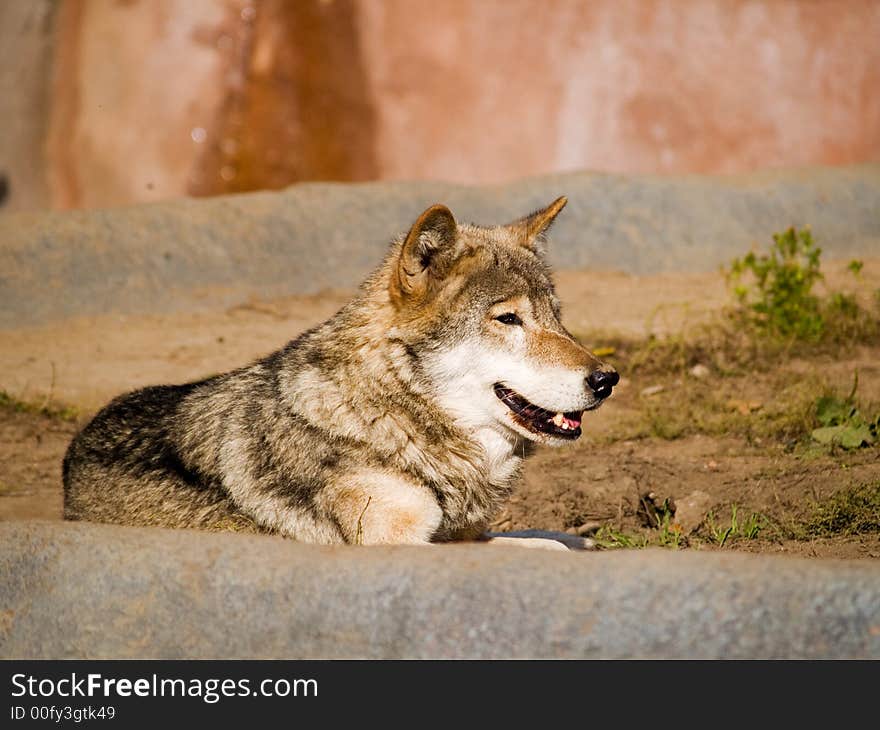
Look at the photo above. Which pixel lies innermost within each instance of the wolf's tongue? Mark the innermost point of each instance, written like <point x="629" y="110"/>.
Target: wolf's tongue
<point x="570" y="422"/>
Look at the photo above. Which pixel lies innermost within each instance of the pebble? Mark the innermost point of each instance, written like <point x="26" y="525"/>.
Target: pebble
<point x="690" y="511"/>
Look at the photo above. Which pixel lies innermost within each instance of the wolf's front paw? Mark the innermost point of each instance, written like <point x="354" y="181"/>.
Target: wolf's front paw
<point x="543" y="539"/>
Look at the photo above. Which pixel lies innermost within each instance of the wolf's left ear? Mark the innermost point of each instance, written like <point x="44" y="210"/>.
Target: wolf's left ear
<point x="529" y="231"/>
<point x="421" y="254"/>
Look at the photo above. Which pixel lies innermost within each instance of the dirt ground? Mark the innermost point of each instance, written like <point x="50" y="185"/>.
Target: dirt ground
<point x="715" y="490"/>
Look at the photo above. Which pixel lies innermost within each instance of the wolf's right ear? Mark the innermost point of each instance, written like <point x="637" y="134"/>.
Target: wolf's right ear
<point x="434" y="233"/>
<point x="530" y="231"/>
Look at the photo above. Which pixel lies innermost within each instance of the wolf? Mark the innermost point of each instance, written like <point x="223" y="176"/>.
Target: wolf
<point x="402" y="419"/>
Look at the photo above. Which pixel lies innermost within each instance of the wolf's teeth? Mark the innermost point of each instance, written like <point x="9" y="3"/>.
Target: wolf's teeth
<point x="559" y="420"/>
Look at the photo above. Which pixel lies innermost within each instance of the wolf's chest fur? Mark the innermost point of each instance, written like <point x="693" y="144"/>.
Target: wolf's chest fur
<point x="500" y="461"/>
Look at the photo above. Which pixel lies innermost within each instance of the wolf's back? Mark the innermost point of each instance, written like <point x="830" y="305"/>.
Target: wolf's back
<point x="125" y="467"/>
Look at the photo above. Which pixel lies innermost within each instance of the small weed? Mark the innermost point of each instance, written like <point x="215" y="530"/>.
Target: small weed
<point x="736" y="528"/>
<point x="661" y="530"/>
<point x="359" y="534"/>
<point x="847" y="323"/>
<point x="753" y="524"/>
<point x="609" y="537"/>
<point x="843" y="424"/>
<point x="669" y="534"/>
<point x="851" y="511"/>
<point x="45" y="408"/>
<point x="659" y="516"/>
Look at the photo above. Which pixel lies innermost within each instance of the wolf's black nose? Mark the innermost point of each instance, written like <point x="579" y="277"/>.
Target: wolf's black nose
<point x="602" y="381"/>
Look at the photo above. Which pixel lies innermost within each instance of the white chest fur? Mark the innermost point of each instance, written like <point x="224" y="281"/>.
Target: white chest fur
<point x="501" y="459"/>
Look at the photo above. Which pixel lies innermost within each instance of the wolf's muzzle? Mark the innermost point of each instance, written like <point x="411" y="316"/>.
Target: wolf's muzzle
<point x="602" y="381"/>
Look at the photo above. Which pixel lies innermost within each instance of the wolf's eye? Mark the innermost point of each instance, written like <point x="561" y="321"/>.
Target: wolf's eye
<point x="508" y="318"/>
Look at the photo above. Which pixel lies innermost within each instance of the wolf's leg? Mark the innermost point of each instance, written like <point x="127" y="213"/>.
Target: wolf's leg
<point x="546" y="540"/>
<point x="374" y="507"/>
<point x="527" y="542"/>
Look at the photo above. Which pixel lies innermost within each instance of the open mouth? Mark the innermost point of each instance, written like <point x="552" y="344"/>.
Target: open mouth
<point x="540" y="420"/>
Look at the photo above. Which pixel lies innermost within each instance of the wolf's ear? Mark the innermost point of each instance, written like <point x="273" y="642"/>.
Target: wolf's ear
<point x="529" y="231"/>
<point x="421" y="255"/>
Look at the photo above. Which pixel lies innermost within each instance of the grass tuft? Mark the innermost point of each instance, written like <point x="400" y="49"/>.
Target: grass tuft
<point x="47" y="407"/>
<point x="736" y="527"/>
<point x="853" y="511"/>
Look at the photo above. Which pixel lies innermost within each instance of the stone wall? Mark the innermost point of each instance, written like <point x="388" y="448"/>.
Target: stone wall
<point x="75" y="590"/>
<point x="191" y="254"/>
<point x="106" y="103"/>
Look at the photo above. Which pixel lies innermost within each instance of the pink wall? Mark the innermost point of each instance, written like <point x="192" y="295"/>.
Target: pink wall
<point x="494" y="90"/>
<point x="156" y="99"/>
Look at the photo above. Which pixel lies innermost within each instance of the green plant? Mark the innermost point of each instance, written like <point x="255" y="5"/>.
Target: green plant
<point x="659" y="516"/>
<point x="779" y="301"/>
<point x="669" y="534"/>
<point x="747" y="529"/>
<point x="752" y="525"/>
<point x="842" y="423"/>
<point x="776" y="300"/>
<point x="610" y="538"/>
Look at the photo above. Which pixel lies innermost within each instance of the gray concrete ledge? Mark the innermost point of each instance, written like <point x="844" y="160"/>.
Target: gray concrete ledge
<point x="184" y="254"/>
<point x="95" y="591"/>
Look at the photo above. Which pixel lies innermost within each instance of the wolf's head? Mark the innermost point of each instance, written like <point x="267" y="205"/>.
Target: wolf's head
<point x="476" y="310"/>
